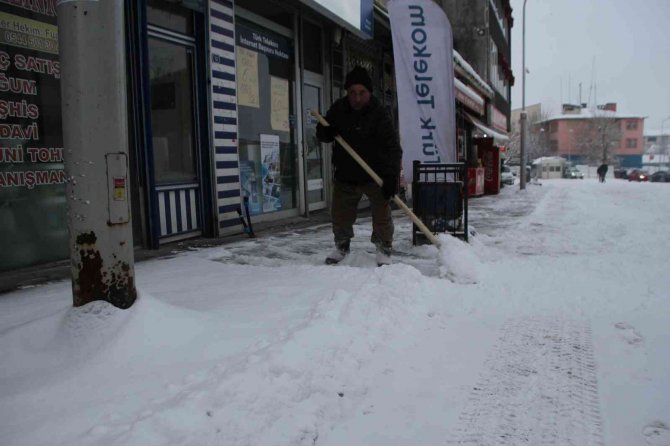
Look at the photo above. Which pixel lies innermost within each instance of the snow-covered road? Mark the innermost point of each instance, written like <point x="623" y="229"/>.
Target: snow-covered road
<point x="563" y="338"/>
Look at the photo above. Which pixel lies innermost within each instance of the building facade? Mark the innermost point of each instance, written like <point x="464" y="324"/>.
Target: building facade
<point x="656" y="141"/>
<point x="219" y="100"/>
<point x="590" y="136"/>
<point x="656" y="150"/>
<point x="219" y="94"/>
<point x="482" y="33"/>
<point x="482" y="36"/>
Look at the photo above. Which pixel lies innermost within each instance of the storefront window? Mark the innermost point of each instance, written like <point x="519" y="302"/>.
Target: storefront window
<point x="267" y="151"/>
<point x="171" y="78"/>
<point x="32" y="175"/>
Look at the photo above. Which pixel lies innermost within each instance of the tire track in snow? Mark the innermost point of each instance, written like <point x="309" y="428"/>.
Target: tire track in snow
<point x="538" y="387"/>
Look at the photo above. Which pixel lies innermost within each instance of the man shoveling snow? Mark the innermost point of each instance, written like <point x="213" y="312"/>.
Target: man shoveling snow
<point x="363" y="122"/>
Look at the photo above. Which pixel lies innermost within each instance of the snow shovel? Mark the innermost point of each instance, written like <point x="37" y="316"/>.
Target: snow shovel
<point x="377" y="179"/>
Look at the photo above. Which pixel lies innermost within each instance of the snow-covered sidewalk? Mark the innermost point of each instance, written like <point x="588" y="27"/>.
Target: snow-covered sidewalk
<point x="562" y="339"/>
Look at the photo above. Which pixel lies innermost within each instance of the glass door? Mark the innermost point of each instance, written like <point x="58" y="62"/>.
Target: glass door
<point x="314" y="164"/>
<point x="172" y="111"/>
<point x="174" y="129"/>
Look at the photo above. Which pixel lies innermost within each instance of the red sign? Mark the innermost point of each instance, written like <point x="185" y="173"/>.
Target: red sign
<point x="498" y="119"/>
<point x="119" y="189"/>
<point x="469" y="102"/>
<point x="475" y="181"/>
<point x="490" y="156"/>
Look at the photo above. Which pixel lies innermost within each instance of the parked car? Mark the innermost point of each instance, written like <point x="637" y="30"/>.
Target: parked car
<point x="638" y="175"/>
<point x="620" y="173"/>
<point x="662" y="176"/>
<point x="573" y="173"/>
<point x="506" y="175"/>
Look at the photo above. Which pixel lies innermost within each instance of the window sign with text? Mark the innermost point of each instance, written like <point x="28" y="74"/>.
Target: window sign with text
<point x="32" y="175"/>
<point x="268" y="166"/>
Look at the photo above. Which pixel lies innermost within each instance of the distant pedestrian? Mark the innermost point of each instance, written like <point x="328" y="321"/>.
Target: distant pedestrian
<point x="602" y="172"/>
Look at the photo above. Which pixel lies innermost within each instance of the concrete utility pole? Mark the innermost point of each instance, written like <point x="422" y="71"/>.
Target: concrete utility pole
<point x="95" y="137"/>
<point x="522" y="119"/>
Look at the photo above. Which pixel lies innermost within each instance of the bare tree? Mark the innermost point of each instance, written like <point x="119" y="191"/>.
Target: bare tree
<point x="538" y="136"/>
<point x="514" y="145"/>
<point x="596" y="137"/>
<point x="537" y="142"/>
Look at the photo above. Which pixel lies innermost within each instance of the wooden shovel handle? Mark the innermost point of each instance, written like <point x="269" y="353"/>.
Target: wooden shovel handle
<point x="377" y="179"/>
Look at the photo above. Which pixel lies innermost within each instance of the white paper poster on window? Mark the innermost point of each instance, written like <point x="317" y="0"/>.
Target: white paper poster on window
<point x="316" y="184"/>
<point x="279" y="104"/>
<point x="247" y="78"/>
<point x="270" y="173"/>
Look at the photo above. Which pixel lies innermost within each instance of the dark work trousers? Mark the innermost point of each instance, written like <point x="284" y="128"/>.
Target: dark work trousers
<point x="345" y="206"/>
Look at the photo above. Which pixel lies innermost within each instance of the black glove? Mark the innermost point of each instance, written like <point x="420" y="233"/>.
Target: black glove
<point x="327" y="133"/>
<point x="390" y="186"/>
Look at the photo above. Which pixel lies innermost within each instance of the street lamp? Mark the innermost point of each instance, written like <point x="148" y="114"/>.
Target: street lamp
<point x="572" y="138"/>
<point x="522" y="119"/>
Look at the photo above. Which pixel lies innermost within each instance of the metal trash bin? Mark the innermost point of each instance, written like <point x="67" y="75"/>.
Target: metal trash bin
<point x="440" y="199"/>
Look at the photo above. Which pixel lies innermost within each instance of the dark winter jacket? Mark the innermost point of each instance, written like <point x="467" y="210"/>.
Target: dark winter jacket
<point x="371" y="133"/>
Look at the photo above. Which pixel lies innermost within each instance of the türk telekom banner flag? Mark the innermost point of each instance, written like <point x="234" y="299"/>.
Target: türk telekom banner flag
<point x="424" y="71"/>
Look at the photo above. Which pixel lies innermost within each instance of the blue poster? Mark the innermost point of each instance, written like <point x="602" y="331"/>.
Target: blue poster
<point x="270" y="173"/>
<point x="250" y="186"/>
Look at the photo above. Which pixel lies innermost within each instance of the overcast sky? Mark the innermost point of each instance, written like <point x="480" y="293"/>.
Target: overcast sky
<point x="619" y="50"/>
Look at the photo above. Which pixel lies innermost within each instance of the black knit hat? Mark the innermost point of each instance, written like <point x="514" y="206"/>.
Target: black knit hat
<point x="358" y="75"/>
